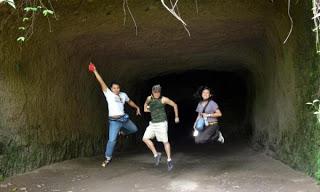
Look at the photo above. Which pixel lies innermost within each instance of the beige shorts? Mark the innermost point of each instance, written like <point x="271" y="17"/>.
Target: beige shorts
<point x="158" y="130"/>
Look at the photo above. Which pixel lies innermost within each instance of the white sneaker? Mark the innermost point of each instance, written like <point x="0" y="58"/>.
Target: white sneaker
<point x="220" y="139"/>
<point x="195" y="133"/>
<point x="106" y="162"/>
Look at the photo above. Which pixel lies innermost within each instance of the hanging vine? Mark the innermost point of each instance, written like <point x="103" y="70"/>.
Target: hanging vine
<point x="125" y="7"/>
<point x="291" y="21"/>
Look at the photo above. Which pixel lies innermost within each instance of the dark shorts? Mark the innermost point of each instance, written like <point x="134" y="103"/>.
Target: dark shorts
<point x="209" y="134"/>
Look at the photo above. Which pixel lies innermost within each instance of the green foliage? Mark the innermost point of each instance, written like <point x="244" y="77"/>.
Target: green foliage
<point x="25" y="19"/>
<point x="316" y="108"/>
<point x="30" y="12"/>
<point x="30" y="9"/>
<point x="21" y="39"/>
<point x="317" y="174"/>
<point x="47" y="12"/>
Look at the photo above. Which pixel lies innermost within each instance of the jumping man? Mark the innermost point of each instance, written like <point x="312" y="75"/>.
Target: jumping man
<point x="158" y="126"/>
<point x="118" y="119"/>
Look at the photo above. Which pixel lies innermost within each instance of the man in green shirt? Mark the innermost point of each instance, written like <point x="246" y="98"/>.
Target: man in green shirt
<point x="158" y="126"/>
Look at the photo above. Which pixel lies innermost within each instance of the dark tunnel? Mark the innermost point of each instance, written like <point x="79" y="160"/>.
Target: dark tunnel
<point x="232" y="91"/>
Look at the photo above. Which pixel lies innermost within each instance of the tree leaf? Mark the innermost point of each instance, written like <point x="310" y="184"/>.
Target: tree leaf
<point x="25" y="19"/>
<point x="316" y="100"/>
<point x="22" y="28"/>
<point x="28" y="9"/>
<point x="309" y="103"/>
<point x="21" y="39"/>
<point x="47" y="12"/>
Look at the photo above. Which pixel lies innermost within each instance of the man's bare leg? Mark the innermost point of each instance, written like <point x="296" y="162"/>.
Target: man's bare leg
<point x="157" y="156"/>
<point x="168" y="152"/>
<point x="150" y="145"/>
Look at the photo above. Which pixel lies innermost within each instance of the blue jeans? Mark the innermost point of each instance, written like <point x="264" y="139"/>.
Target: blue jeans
<point x="114" y="128"/>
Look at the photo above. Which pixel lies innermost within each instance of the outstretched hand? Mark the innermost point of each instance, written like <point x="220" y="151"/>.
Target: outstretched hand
<point x="92" y="68"/>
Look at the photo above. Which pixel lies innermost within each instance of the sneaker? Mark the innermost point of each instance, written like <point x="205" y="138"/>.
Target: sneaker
<point x="170" y="165"/>
<point x="157" y="159"/>
<point x="106" y="162"/>
<point x="221" y="139"/>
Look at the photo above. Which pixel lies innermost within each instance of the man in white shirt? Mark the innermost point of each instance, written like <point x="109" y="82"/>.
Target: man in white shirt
<point x="118" y="119"/>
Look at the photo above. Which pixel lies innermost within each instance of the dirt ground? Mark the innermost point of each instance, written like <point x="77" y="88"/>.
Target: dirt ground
<point x="218" y="168"/>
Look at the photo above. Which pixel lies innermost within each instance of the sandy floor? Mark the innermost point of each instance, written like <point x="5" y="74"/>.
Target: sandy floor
<point x="197" y="168"/>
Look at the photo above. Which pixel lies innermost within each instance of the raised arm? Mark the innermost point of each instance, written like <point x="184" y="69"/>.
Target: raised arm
<point x="145" y="106"/>
<point x="103" y="85"/>
<point x="168" y="101"/>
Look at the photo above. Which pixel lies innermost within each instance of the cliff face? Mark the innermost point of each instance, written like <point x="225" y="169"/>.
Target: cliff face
<point x="51" y="108"/>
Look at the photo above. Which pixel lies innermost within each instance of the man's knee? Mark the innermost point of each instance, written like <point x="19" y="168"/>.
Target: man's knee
<point x="146" y="140"/>
<point x="131" y="128"/>
<point x="166" y="143"/>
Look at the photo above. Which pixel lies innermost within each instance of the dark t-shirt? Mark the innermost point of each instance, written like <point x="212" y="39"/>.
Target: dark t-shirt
<point x="211" y="108"/>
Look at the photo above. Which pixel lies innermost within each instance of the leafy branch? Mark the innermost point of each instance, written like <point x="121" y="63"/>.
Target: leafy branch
<point x="316" y="108"/>
<point x="30" y="9"/>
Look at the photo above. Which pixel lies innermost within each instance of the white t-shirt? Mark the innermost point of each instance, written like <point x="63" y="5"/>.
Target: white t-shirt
<point x="116" y="102"/>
